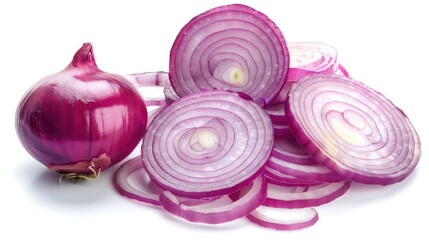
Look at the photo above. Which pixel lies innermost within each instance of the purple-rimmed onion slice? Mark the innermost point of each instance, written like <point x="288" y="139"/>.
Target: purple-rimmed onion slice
<point x="302" y="197"/>
<point x="284" y="219"/>
<point x="220" y="210"/>
<point x="352" y="129"/>
<point x="145" y="191"/>
<point x="231" y="47"/>
<point x="207" y="144"/>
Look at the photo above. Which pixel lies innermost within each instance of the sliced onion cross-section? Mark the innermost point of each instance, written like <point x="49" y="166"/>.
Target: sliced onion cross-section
<point x="232" y="47"/>
<point x="352" y="129"/>
<point x="207" y="144"/>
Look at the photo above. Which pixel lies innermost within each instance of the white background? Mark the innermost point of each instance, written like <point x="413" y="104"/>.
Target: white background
<point x="382" y="43"/>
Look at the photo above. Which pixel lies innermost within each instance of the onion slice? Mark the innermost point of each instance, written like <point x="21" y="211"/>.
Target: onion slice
<point x="207" y="144"/>
<point x="302" y="197"/>
<point x="352" y="129"/>
<point x="232" y="47"/>
<point x="292" y="219"/>
<point x="220" y="210"/>
<point x="147" y="192"/>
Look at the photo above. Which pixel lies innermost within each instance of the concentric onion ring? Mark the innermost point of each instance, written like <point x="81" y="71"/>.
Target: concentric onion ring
<point x="352" y="129"/>
<point x="207" y="144"/>
<point x="231" y="47"/>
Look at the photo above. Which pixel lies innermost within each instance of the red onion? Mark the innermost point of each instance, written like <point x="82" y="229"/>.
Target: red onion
<point x="352" y="129"/>
<point x="207" y="144"/>
<point x="231" y="47"/>
<point x="81" y="120"/>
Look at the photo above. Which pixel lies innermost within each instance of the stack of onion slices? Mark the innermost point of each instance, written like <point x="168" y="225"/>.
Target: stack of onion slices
<point x="212" y="156"/>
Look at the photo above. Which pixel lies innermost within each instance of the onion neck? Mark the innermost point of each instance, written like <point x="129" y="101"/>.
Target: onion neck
<point x="84" y="60"/>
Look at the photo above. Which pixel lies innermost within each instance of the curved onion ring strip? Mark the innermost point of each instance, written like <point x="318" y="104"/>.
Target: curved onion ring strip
<point x="302" y="197"/>
<point x="288" y="222"/>
<point x="148" y="192"/>
<point x="220" y="210"/>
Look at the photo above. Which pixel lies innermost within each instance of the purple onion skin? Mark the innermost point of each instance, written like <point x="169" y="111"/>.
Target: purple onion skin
<point x="79" y="114"/>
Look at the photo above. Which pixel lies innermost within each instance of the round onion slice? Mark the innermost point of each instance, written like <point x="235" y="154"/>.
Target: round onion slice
<point x="146" y="192"/>
<point x="220" y="210"/>
<point x="352" y="129"/>
<point x="291" y="219"/>
<point x="231" y="47"/>
<point x="302" y="197"/>
<point x="207" y="144"/>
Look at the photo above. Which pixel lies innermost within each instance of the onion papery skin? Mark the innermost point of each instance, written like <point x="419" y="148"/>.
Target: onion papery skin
<point x="232" y="47"/>
<point x="207" y="144"/>
<point x="352" y="129"/>
<point x="70" y="118"/>
<point x="228" y="209"/>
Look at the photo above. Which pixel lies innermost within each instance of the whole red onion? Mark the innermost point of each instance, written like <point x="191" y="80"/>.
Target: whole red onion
<point x="81" y="120"/>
